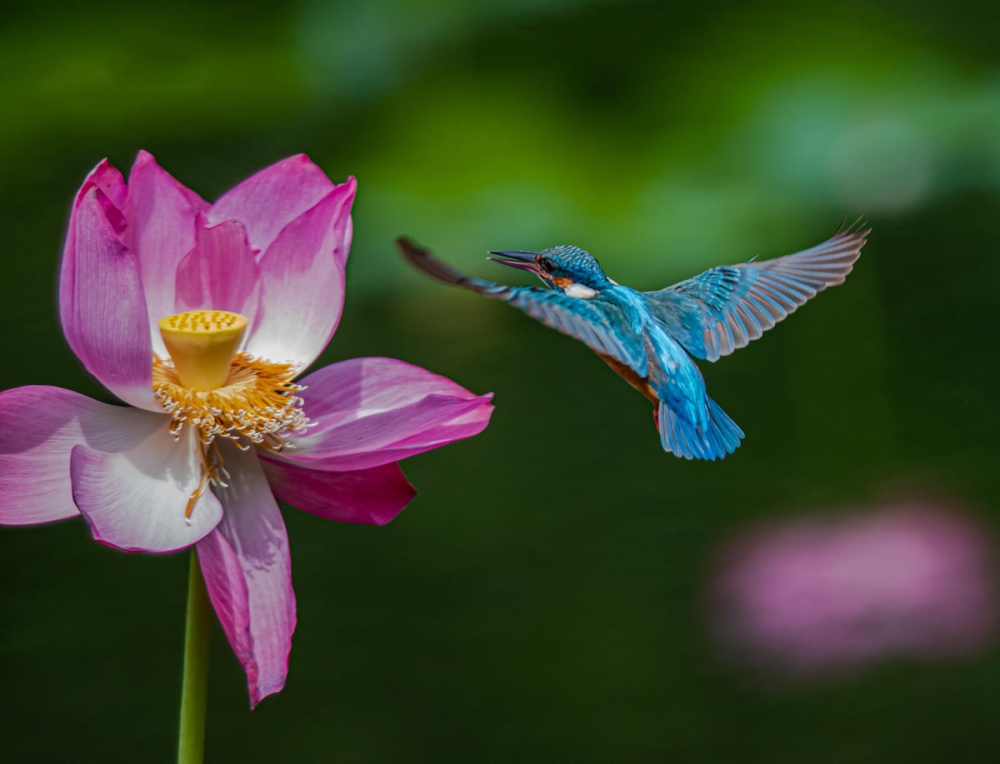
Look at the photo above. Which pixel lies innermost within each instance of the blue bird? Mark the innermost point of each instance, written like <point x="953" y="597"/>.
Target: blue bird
<point x="648" y="338"/>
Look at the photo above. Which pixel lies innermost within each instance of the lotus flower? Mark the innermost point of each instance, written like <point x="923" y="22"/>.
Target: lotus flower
<point x="819" y="596"/>
<point x="200" y="316"/>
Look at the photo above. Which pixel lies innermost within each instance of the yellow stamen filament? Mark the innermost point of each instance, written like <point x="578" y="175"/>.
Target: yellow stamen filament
<point x="201" y="344"/>
<point x="213" y="469"/>
<point x="255" y="406"/>
<point x="196" y="494"/>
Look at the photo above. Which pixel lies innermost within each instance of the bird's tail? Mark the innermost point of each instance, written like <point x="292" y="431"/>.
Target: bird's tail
<point x="684" y="439"/>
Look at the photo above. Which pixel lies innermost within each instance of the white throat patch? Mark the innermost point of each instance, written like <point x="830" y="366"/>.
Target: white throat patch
<point x="579" y="290"/>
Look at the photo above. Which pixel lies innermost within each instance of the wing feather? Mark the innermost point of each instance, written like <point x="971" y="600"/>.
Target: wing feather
<point x="588" y="320"/>
<point x="725" y="308"/>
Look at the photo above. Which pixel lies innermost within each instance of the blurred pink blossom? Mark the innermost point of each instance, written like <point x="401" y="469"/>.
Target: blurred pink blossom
<point x="823" y="595"/>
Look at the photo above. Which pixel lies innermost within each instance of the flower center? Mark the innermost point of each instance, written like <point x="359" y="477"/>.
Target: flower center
<point x="201" y="344"/>
<point x="210" y="386"/>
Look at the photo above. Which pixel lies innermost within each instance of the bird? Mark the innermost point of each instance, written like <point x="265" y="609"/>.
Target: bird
<point x="651" y="339"/>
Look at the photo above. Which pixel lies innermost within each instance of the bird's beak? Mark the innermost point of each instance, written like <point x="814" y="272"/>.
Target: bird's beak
<point x="525" y="261"/>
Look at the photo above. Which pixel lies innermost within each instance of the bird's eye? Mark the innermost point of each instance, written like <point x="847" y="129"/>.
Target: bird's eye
<point x="548" y="264"/>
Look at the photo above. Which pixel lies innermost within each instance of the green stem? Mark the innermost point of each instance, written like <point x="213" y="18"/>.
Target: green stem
<point x="194" y="691"/>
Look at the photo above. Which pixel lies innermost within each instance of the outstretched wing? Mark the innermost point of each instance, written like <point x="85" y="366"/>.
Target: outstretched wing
<point x="588" y="320"/>
<point x="724" y="308"/>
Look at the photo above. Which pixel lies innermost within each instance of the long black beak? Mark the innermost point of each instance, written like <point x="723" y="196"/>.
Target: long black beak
<point x="515" y="258"/>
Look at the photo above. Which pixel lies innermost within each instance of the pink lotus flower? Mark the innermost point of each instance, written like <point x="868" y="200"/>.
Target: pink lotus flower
<point x="216" y="428"/>
<point x="820" y="596"/>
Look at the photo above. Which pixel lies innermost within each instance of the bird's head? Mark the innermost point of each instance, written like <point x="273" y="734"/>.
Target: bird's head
<point x="560" y="267"/>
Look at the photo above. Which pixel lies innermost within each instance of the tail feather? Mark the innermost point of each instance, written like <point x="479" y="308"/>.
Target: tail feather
<point x="683" y="439"/>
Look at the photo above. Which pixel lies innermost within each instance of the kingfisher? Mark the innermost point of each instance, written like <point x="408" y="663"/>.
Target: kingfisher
<point x="649" y="338"/>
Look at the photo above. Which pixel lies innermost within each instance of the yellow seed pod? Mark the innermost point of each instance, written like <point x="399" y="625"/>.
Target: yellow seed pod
<point x="202" y="344"/>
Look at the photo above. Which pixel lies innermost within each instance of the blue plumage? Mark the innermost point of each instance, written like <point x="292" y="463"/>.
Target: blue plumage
<point x="648" y="338"/>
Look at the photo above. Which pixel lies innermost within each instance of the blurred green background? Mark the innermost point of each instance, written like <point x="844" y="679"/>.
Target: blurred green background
<point x="543" y="597"/>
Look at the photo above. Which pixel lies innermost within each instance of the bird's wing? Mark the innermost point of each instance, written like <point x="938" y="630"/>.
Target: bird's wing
<point x="588" y="320"/>
<point x="724" y="308"/>
<point x="591" y="320"/>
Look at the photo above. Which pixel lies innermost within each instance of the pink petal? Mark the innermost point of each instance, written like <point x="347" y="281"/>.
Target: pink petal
<point x="227" y="589"/>
<point x="273" y="198"/>
<point x="161" y="215"/>
<point x="359" y="387"/>
<point x="373" y="496"/>
<point x="392" y="435"/>
<point x="373" y="411"/>
<point x="248" y="571"/>
<point x="109" y="180"/>
<point x="111" y="183"/>
<point x="39" y="426"/>
<point x="220" y="273"/>
<point x="135" y="499"/>
<point x="103" y="306"/>
<point x="302" y="277"/>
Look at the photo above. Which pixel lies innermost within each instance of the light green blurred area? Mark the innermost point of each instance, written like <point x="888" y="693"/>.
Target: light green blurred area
<point x="542" y="599"/>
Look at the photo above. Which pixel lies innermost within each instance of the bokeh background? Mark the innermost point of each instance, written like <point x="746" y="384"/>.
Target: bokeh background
<point x="560" y="590"/>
